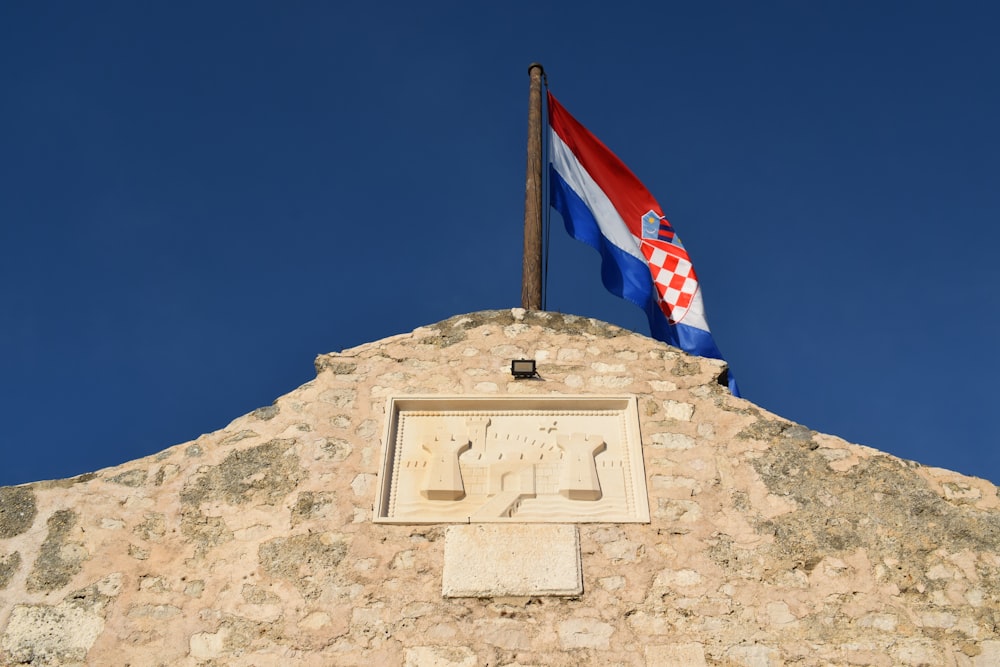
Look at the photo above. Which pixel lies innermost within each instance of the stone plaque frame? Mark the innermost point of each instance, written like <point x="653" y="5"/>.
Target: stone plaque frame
<point x="518" y="459"/>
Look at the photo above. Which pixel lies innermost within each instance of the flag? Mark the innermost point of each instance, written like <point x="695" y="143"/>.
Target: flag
<point x="642" y="259"/>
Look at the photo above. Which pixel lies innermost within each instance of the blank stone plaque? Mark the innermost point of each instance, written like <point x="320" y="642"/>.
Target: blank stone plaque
<point x="512" y="459"/>
<point x="492" y="560"/>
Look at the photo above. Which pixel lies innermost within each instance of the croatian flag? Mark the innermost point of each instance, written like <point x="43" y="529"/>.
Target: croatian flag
<point x="642" y="260"/>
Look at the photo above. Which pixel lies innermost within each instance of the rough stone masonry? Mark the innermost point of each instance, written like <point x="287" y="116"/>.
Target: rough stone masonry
<point x="769" y="544"/>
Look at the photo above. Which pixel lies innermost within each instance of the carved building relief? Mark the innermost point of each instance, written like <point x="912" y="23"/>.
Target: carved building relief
<point x="494" y="459"/>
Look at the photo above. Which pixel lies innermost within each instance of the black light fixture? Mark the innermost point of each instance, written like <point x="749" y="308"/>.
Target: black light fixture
<point x="523" y="368"/>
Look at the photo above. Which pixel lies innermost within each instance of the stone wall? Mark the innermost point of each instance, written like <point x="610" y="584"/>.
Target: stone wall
<point x="769" y="544"/>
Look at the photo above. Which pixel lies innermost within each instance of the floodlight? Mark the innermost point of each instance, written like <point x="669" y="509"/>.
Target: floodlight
<point x="523" y="368"/>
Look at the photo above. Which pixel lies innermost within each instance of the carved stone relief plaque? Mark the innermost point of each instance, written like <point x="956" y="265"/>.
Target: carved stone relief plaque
<point x="558" y="459"/>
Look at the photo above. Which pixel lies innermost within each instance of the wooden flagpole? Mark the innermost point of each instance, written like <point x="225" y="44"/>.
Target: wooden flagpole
<point x="531" y="274"/>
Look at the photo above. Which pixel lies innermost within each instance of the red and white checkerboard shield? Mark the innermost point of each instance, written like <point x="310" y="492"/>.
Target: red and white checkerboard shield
<point x="674" y="278"/>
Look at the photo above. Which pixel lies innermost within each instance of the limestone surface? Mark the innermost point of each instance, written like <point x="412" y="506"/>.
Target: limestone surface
<point x="485" y="560"/>
<point x="768" y="544"/>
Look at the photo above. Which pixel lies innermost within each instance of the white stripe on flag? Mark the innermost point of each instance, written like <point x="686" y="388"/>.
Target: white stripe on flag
<point x="612" y="226"/>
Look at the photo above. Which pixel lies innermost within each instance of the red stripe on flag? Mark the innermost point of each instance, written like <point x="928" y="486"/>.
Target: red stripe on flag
<point x="628" y="195"/>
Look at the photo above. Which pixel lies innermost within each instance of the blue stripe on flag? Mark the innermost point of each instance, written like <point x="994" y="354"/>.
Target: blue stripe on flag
<point x="622" y="274"/>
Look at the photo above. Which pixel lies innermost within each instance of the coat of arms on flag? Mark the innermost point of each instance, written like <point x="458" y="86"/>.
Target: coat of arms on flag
<point x="673" y="276"/>
<point x="669" y="265"/>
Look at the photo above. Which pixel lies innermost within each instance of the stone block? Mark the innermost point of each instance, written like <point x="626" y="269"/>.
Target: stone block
<point x="494" y="560"/>
<point x="440" y="656"/>
<point x="690" y="654"/>
<point x="584" y="633"/>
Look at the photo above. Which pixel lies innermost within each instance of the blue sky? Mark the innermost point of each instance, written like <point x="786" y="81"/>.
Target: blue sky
<point x="198" y="198"/>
